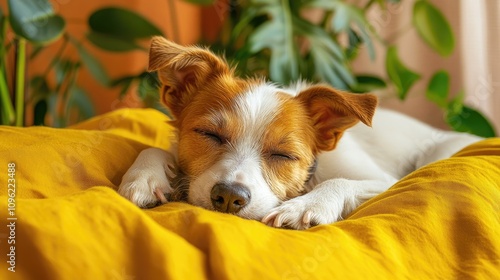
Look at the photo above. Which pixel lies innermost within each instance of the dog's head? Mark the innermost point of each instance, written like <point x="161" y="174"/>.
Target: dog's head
<point x="246" y="145"/>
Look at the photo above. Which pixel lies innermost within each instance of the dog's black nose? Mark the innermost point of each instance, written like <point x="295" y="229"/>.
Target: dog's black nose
<point x="229" y="198"/>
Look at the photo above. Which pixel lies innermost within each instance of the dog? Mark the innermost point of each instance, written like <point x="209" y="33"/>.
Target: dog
<point x="290" y="157"/>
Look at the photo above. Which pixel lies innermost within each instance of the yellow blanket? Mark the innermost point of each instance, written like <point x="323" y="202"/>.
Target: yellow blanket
<point x="68" y="222"/>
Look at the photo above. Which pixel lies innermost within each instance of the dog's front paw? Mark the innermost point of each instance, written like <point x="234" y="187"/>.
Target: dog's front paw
<point x="303" y="212"/>
<point x="145" y="188"/>
<point x="148" y="179"/>
<point x="326" y="204"/>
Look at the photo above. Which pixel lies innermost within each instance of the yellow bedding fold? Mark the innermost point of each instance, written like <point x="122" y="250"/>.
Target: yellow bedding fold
<point x="68" y="222"/>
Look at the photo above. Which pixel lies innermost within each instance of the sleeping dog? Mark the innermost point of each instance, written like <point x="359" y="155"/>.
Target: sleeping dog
<point x="291" y="157"/>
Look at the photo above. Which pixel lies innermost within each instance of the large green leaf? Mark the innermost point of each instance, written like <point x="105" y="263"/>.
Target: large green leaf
<point x="402" y="77"/>
<point x="329" y="59"/>
<point x="121" y="23"/>
<point x="202" y="2"/>
<point x="439" y="88"/>
<point x="35" y="20"/>
<point x="368" y="83"/>
<point x="118" y="30"/>
<point x="277" y="35"/>
<point x="345" y="15"/>
<point x="93" y="65"/>
<point x="324" y="58"/>
<point x="433" y="27"/>
<point x="341" y="21"/>
<point x="111" y="43"/>
<point x="325" y="71"/>
<point x="469" y="120"/>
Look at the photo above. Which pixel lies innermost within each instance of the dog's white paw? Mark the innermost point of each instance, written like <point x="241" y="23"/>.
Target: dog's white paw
<point x="326" y="204"/>
<point x="148" y="179"/>
<point x="302" y="213"/>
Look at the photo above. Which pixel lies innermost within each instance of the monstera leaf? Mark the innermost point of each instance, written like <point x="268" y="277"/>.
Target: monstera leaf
<point x="277" y="35"/>
<point x="117" y="29"/>
<point x="298" y="48"/>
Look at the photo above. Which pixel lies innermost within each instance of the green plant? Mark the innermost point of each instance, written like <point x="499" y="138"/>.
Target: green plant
<point x="63" y="101"/>
<point x="277" y="38"/>
<point x="274" y="38"/>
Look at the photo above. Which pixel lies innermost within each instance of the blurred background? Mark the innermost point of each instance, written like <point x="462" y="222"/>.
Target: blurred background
<point x="63" y="61"/>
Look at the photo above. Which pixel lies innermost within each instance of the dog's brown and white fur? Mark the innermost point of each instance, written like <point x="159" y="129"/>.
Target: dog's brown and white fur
<point x="250" y="148"/>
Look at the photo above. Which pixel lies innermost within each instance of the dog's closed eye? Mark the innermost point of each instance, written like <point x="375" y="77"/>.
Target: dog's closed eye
<point x="219" y="139"/>
<point x="283" y="156"/>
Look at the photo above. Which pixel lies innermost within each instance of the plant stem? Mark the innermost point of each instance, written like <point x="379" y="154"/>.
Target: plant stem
<point x="173" y="20"/>
<point x="67" y="95"/>
<point x="7" y="116"/>
<point x="7" y="108"/>
<point x="57" y="55"/>
<point x="66" y="91"/>
<point x="20" y="75"/>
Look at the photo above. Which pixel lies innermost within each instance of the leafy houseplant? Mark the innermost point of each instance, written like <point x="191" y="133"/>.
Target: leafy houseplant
<point x="276" y="38"/>
<point x="34" y="22"/>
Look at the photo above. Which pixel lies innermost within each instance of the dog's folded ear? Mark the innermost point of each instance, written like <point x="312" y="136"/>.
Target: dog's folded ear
<point x="333" y="111"/>
<point x="182" y="69"/>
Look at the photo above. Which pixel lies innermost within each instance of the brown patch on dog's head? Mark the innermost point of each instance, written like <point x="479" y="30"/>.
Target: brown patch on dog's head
<point x="195" y="83"/>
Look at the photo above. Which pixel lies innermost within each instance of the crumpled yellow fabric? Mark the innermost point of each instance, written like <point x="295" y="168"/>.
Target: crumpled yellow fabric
<point x="440" y="222"/>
